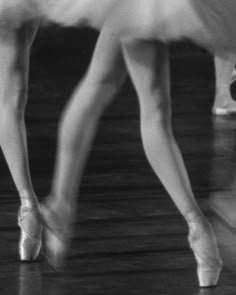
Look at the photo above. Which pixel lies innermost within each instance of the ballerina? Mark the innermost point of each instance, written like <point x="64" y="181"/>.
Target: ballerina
<point x="133" y="38"/>
<point x="225" y="75"/>
<point x="19" y="21"/>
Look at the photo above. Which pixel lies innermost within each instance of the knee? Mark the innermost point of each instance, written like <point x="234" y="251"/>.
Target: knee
<point x="13" y="105"/>
<point x="96" y="95"/>
<point x="13" y="97"/>
<point x="156" y="123"/>
<point x="156" y="111"/>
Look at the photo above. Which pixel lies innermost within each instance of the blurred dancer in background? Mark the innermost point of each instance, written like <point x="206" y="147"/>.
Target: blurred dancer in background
<point x="225" y="75"/>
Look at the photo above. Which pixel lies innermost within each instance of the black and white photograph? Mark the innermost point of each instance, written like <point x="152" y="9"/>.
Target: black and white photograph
<point x="118" y="147"/>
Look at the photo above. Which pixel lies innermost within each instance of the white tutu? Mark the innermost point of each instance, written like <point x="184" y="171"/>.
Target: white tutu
<point x="63" y="12"/>
<point x="211" y="23"/>
<point x="90" y="13"/>
<point x="15" y="12"/>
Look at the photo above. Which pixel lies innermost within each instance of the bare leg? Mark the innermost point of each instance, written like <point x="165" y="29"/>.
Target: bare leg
<point x="78" y="125"/>
<point x="14" y="62"/>
<point x="14" y="69"/>
<point x="148" y="66"/>
<point x="224" y="67"/>
<point x="80" y="119"/>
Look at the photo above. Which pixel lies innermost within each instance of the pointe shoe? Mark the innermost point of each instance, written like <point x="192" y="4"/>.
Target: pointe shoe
<point x="57" y="237"/>
<point x="220" y="111"/>
<point x="29" y="221"/>
<point x="228" y="108"/>
<point x="209" y="263"/>
<point x="223" y="111"/>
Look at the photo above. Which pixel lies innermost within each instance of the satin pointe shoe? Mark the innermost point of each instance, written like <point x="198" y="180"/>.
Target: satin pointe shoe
<point x="220" y="111"/>
<point x="223" y="111"/>
<point x="57" y="237"/>
<point x="227" y="107"/>
<point x="29" y="221"/>
<point x="209" y="263"/>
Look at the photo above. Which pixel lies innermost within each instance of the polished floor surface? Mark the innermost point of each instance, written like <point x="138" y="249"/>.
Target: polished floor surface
<point x="129" y="237"/>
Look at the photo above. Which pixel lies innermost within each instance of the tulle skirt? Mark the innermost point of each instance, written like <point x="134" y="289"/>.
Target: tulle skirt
<point x="91" y="13"/>
<point x="210" y="23"/>
<point x="13" y="13"/>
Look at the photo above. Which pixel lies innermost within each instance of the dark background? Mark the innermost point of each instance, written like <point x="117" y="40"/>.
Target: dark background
<point x="54" y="40"/>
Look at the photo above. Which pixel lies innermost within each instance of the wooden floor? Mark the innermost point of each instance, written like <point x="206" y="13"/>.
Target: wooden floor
<point x="129" y="237"/>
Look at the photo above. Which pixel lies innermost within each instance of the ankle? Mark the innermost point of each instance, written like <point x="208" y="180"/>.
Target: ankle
<point x="198" y="224"/>
<point x="61" y="206"/>
<point x="30" y="203"/>
<point x="29" y="200"/>
<point x="60" y="202"/>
